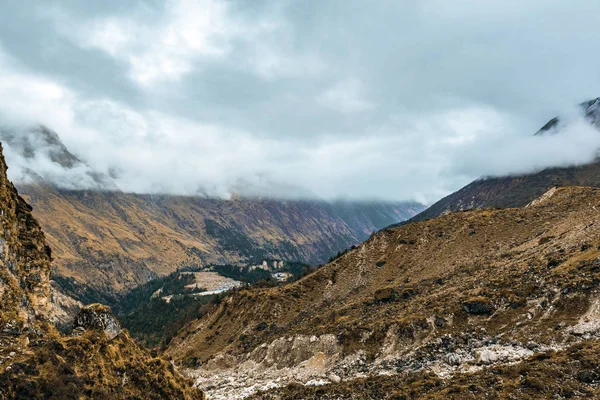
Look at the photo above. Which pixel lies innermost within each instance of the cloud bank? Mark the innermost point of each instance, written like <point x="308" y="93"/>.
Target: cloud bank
<point x="406" y="100"/>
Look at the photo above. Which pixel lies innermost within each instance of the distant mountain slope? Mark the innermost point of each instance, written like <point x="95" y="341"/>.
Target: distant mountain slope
<point x="114" y="240"/>
<point x="512" y="191"/>
<point x="517" y="191"/>
<point x="432" y="309"/>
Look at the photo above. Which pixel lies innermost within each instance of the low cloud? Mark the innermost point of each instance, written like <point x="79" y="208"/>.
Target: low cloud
<point x="406" y="100"/>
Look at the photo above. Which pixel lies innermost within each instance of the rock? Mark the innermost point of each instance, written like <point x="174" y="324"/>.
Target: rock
<point x="99" y="317"/>
<point x="386" y="294"/>
<point x="440" y="322"/>
<point x="262" y="326"/>
<point x="334" y="378"/>
<point x="478" y="305"/>
<point x="587" y="376"/>
<point x="453" y="359"/>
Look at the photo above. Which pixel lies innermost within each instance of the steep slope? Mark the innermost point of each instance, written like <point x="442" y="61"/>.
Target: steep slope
<point x="466" y="292"/>
<point x="24" y="260"/>
<point x="512" y="191"/>
<point x="98" y="360"/>
<point x="113" y="240"/>
<point x="516" y="191"/>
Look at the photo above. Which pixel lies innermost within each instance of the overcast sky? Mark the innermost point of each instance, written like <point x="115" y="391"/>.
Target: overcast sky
<point x="357" y="99"/>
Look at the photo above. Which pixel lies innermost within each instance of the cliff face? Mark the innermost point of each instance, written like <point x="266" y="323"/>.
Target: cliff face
<point x="426" y="302"/>
<point x="24" y="259"/>
<point x="97" y="360"/>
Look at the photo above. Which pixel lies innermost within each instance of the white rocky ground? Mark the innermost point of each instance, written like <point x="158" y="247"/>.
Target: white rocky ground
<point x="312" y="360"/>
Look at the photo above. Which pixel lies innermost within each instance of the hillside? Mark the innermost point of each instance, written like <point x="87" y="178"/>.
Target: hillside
<point x="427" y="304"/>
<point x="517" y="191"/>
<point x="113" y="240"/>
<point x="96" y="360"/>
<point x="512" y="191"/>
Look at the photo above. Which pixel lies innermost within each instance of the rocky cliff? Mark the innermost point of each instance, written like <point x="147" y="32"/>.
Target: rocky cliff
<point x="462" y="306"/>
<point x="97" y="360"/>
<point x="24" y="260"/>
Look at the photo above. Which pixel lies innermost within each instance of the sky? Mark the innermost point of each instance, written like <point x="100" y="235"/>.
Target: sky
<point x="391" y="100"/>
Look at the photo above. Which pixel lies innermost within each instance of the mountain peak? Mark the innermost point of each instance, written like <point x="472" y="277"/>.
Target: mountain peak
<point x="591" y="110"/>
<point x="37" y="155"/>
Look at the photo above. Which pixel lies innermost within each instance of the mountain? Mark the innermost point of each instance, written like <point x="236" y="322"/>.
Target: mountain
<point x="517" y="191"/>
<point x="109" y="241"/>
<point x="39" y="156"/>
<point x="476" y="304"/>
<point x="96" y="360"/>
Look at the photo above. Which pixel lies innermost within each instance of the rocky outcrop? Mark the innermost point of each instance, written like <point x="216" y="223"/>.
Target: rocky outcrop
<point x="63" y="309"/>
<point x="38" y="363"/>
<point x="24" y="259"/>
<point x="97" y="317"/>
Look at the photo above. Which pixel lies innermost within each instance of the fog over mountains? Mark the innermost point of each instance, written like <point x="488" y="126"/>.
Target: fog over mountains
<point x="188" y="96"/>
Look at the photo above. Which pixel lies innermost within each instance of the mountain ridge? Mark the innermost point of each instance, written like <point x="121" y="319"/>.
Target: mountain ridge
<point x="519" y="190"/>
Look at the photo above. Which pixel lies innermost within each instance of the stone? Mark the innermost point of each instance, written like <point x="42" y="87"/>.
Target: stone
<point x="478" y="305"/>
<point x="386" y="294"/>
<point x="453" y="359"/>
<point x="587" y="376"/>
<point x="98" y="317"/>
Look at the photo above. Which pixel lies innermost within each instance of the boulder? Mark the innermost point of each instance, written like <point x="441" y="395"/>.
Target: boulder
<point x="98" y="317"/>
<point x="385" y="294"/>
<point x="478" y="305"/>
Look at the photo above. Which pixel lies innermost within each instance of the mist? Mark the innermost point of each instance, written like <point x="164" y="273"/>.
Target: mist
<point x="403" y="101"/>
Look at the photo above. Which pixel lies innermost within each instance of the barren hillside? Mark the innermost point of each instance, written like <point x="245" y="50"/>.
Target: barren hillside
<point x="447" y="296"/>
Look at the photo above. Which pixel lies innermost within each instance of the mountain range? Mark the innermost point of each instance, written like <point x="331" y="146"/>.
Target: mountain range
<point x="112" y="241"/>
<point x="493" y="292"/>
<point x="442" y="308"/>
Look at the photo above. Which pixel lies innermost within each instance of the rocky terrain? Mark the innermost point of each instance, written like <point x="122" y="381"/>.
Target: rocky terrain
<point x="478" y="304"/>
<point x="517" y="191"/>
<point x="96" y="360"/>
<point x="112" y="241"/>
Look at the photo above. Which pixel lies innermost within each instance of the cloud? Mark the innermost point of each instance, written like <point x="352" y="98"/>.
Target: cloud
<point x="165" y="51"/>
<point x="404" y="100"/>
<point x="345" y="96"/>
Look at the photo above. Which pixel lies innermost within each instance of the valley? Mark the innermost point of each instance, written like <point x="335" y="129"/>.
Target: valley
<point x="449" y="300"/>
<point x="299" y="200"/>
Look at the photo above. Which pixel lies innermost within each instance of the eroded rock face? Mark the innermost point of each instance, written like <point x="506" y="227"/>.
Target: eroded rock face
<point x="24" y="259"/>
<point x="98" y="317"/>
<point x="63" y="309"/>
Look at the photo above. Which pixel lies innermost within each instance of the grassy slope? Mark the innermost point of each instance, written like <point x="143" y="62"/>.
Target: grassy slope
<point x="544" y="254"/>
<point x="115" y="241"/>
